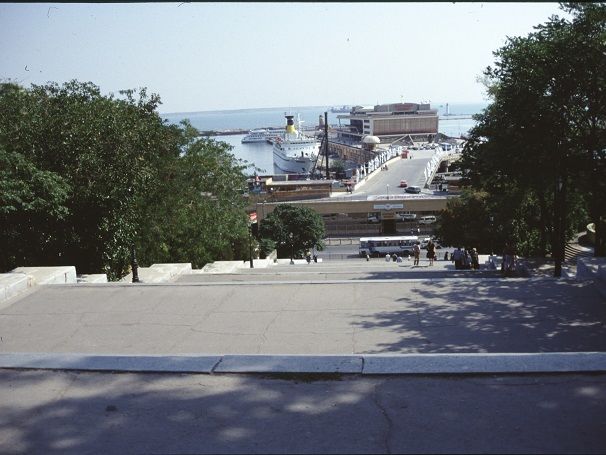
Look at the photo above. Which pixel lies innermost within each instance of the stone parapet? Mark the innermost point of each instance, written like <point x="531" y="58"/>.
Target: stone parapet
<point x="159" y="273"/>
<point x="22" y="278"/>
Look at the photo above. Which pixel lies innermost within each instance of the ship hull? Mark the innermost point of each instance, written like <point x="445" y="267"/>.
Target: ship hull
<point x="296" y="161"/>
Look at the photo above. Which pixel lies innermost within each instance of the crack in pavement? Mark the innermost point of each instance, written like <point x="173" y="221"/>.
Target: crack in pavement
<point x="389" y="430"/>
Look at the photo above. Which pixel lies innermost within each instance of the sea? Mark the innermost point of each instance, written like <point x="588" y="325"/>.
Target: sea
<point x="259" y="156"/>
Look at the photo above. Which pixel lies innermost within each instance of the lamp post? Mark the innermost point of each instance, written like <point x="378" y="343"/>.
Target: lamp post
<point x="491" y="218"/>
<point x="250" y="251"/>
<point x="134" y="265"/>
<point x="387" y="191"/>
<point x="559" y="247"/>
<point x="291" y="249"/>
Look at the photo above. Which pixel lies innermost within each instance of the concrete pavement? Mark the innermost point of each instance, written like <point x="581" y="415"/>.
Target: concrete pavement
<point x="349" y="323"/>
<point x="101" y="413"/>
<point x="316" y="309"/>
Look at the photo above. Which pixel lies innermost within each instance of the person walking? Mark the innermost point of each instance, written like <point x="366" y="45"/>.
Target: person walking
<point x="475" y="260"/>
<point x="416" y="251"/>
<point x="457" y="257"/>
<point x="431" y="252"/>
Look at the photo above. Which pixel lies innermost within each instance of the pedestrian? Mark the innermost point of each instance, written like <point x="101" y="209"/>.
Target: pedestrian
<point x="308" y="257"/>
<point x="446" y="256"/>
<point x="394" y="257"/>
<point x="509" y="258"/>
<point x="367" y="257"/>
<point x="466" y="259"/>
<point x="431" y="252"/>
<point x="457" y="257"/>
<point x="387" y="257"/>
<point x="416" y="251"/>
<point x="475" y="260"/>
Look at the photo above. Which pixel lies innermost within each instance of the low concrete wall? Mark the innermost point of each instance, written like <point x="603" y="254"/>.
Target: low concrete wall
<point x="12" y="284"/>
<point x="159" y="273"/>
<point x="48" y="275"/>
<point x="93" y="278"/>
<point x="22" y="278"/>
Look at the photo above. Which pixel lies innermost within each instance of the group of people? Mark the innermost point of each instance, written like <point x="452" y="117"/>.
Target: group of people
<point x="416" y="252"/>
<point x="466" y="259"/>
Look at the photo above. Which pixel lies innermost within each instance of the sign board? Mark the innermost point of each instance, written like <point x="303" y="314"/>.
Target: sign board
<point x="388" y="206"/>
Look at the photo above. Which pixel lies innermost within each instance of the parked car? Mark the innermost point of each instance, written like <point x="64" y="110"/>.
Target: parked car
<point x="413" y="189"/>
<point x="429" y="219"/>
<point x="373" y="219"/>
<point x="403" y="183"/>
<point x="407" y="216"/>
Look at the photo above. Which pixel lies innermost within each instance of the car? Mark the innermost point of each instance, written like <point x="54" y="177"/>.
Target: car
<point x="403" y="183"/>
<point x="373" y="219"/>
<point x="430" y="219"/>
<point x="407" y="216"/>
<point x="413" y="189"/>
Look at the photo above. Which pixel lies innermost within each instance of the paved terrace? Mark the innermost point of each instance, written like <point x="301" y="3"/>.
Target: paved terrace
<point x="374" y="317"/>
<point x="350" y="307"/>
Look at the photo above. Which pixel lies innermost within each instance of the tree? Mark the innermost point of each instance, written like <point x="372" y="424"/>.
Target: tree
<point x="538" y="149"/>
<point x="199" y="214"/>
<point x="85" y="177"/>
<point x="32" y="204"/>
<point x="305" y="225"/>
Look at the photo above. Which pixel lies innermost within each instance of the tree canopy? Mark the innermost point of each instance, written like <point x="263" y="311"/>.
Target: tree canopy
<point x="85" y="176"/>
<point x="305" y="225"/>
<point x="538" y="151"/>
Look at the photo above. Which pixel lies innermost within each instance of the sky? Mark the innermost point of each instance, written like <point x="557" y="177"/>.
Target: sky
<point x="223" y="56"/>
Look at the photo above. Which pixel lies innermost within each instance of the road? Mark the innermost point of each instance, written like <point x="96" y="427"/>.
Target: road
<point x="410" y="170"/>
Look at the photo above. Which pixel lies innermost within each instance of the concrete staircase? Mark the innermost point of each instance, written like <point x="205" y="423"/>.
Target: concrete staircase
<point x="336" y="270"/>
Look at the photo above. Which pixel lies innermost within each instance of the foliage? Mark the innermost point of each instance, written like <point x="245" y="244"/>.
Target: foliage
<point x="305" y="225"/>
<point x="266" y="246"/>
<point x="538" y="150"/>
<point x="199" y="214"/>
<point x="86" y="176"/>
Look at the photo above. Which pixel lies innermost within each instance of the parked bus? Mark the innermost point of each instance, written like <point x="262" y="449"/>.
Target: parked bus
<point x="380" y="246"/>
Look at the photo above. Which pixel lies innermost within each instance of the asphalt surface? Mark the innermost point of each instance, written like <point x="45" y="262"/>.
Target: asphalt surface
<point x="345" y="307"/>
<point x="341" y="307"/>
<point x="43" y="412"/>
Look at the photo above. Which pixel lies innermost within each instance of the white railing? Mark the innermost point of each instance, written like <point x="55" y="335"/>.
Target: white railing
<point x="434" y="163"/>
<point x="375" y="163"/>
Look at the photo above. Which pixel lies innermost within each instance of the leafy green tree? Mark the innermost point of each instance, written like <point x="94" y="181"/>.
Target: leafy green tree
<point x="85" y="177"/>
<point x="32" y="204"/>
<point x="199" y="214"/>
<point x="305" y="225"/>
<point x="538" y="150"/>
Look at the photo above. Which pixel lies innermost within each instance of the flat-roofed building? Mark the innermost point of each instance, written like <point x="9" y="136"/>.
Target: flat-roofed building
<point x="390" y="122"/>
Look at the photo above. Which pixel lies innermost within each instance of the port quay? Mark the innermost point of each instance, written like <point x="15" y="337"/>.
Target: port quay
<point x="382" y="146"/>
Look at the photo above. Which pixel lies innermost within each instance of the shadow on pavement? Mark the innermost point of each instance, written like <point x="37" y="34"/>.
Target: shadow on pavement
<point x="60" y="412"/>
<point x="515" y="315"/>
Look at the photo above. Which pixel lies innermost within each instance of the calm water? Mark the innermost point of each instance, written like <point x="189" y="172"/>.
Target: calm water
<point x="261" y="154"/>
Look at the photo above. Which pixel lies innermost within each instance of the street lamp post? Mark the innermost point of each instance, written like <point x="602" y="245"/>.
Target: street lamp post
<point x="388" y="191"/>
<point x="134" y="265"/>
<point x="559" y="244"/>
<point x="491" y="234"/>
<point x="291" y="249"/>
<point x="250" y="251"/>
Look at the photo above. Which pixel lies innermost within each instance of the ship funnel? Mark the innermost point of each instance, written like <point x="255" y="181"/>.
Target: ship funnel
<point x="290" y="124"/>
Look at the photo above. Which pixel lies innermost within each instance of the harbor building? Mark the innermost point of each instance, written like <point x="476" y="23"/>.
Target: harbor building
<point x="389" y="122"/>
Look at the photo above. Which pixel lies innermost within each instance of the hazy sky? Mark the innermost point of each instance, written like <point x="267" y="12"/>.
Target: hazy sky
<point x="208" y="56"/>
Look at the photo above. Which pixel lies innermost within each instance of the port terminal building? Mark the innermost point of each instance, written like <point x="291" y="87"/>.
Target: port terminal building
<point x="389" y="122"/>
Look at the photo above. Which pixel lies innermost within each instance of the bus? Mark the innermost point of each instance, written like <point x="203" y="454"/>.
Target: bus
<point x="380" y="246"/>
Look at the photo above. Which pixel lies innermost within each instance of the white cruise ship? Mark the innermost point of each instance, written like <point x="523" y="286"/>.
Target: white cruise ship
<point x="260" y="136"/>
<point x="294" y="153"/>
